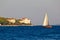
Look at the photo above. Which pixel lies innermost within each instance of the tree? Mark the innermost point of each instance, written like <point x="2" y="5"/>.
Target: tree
<point x="3" y="21"/>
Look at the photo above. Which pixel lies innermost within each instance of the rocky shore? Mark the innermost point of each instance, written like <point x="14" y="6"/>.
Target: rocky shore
<point x="14" y="21"/>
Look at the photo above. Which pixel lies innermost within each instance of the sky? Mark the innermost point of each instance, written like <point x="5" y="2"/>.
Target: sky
<point x="33" y="9"/>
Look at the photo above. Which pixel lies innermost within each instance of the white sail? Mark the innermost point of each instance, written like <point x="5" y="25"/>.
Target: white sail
<point x="46" y="23"/>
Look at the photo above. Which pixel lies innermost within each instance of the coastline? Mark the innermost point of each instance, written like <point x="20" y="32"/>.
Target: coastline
<point x="16" y="25"/>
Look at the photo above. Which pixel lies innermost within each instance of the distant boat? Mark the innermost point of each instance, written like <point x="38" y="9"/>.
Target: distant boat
<point x="46" y="22"/>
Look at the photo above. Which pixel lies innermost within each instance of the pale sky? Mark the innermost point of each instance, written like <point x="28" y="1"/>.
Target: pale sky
<point x="32" y="9"/>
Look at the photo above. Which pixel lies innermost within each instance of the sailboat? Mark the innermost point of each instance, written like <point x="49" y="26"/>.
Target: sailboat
<point x="46" y="22"/>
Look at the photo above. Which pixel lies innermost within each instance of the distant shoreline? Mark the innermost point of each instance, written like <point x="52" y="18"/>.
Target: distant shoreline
<point x="16" y="25"/>
<point x="20" y="25"/>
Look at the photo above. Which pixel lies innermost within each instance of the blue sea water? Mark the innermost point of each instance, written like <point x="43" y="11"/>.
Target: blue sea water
<point x="29" y="33"/>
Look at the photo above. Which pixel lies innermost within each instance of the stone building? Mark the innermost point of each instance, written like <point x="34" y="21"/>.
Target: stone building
<point x="11" y="20"/>
<point x="25" y="21"/>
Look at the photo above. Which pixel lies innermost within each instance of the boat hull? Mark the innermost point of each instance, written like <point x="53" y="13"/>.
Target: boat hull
<point x="48" y="26"/>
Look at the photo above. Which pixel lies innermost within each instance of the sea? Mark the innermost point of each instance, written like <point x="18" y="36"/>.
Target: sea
<point x="36" y="32"/>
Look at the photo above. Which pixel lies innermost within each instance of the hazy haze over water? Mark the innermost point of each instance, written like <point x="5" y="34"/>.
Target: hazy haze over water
<point x="33" y="9"/>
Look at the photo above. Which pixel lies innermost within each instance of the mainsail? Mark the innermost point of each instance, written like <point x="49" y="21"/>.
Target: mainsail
<point x="46" y="23"/>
